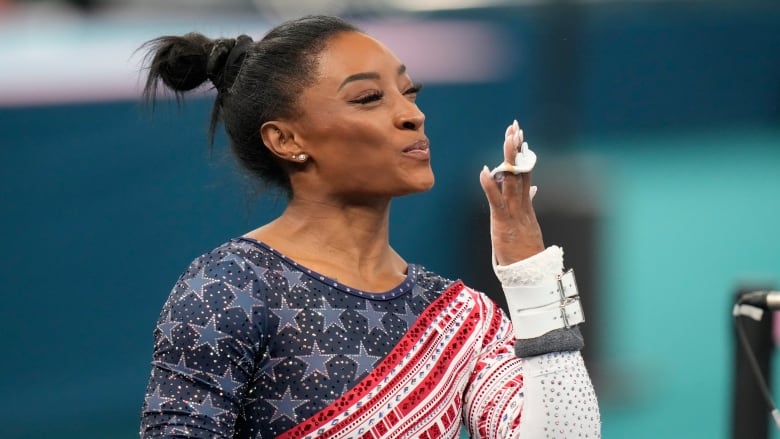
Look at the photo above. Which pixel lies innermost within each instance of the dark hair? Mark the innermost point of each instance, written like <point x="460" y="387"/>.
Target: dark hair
<point x="255" y="81"/>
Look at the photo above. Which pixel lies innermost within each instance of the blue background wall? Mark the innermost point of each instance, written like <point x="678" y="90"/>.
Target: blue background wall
<point x="671" y="137"/>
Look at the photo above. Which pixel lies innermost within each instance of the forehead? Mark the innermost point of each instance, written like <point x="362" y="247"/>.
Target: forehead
<point x="350" y="53"/>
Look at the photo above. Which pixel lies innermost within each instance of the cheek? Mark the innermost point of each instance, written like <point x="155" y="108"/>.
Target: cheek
<point x="349" y="139"/>
<point x="367" y="134"/>
<point x="361" y="145"/>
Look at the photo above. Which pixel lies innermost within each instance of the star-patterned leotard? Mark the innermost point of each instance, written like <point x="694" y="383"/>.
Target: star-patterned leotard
<point x="251" y="345"/>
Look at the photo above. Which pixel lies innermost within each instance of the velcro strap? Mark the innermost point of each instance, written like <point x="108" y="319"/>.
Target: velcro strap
<point x="532" y="323"/>
<point x="553" y="290"/>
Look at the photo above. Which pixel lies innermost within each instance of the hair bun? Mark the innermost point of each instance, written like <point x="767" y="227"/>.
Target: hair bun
<point x="225" y="59"/>
<point x="180" y="62"/>
<point x="185" y="62"/>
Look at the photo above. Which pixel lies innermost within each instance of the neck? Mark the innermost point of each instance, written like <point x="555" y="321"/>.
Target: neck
<point x="345" y="241"/>
<point x="356" y="231"/>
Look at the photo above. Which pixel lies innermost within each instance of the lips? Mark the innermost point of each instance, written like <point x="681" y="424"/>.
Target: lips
<point x="420" y="145"/>
<point x="419" y="150"/>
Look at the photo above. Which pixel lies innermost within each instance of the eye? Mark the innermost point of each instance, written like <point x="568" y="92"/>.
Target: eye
<point x="367" y="99"/>
<point x="414" y="89"/>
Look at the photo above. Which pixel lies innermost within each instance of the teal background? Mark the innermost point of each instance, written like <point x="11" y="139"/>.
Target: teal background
<point x="671" y="139"/>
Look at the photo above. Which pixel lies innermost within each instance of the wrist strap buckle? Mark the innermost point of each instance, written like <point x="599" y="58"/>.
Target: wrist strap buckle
<point x="536" y="310"/>
<point x="558" y="289"/>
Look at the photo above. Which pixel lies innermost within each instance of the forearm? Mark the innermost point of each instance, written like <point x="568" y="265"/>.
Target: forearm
<point x="558" y="394"/>
<point x="559" y="400"/>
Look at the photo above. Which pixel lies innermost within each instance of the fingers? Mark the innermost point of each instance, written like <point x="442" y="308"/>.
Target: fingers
<point x="507" y="195"/>
<point x="513" y="139"/>
<point x="509" y="190"/>
<point x="516" y="187"/>
<point x="525" y="188"/>
<point x="515" y="232"/>
<point x="491" y="189"/>
<point x="518" y="137"/>
<point x="510" y="150"/>
<point x="512" y="187"/>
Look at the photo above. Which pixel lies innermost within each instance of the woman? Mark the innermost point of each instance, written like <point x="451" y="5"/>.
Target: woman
<point x="312" y="325"/>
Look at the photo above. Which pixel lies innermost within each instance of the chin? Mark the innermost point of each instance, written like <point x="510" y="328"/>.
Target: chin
<point x="421" y="182"/>
<point x="423" y="186"/>
<point x="429" y="186"/>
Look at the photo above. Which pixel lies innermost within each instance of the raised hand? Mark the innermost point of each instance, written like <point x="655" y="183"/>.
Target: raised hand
<point x="514" y="230"/>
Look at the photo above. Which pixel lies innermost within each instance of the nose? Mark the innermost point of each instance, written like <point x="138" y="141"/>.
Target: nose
<point x="410" y="117"/>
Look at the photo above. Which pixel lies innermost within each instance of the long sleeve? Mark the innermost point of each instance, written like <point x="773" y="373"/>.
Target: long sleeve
<point x="206" y="345"/>
<point x="543" y="396"/>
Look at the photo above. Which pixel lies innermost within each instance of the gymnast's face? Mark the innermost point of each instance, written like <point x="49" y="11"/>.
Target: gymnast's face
<point x="360" y="125"/>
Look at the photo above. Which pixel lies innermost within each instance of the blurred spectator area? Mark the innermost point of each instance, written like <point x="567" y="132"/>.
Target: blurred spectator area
<point x="586" y="67"/>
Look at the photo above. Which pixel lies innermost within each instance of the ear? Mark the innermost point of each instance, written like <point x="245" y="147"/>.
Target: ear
<point x="278" y="138"/>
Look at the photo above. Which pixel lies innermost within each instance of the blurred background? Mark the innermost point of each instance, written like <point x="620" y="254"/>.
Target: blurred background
<point x="657" y="125"/>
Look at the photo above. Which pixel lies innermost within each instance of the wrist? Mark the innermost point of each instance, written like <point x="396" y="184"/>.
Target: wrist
<point x="517" y="254"/>
<point x="531" y="270"/>
<point x="540" y="297"/>
<point x="535" y="311"/>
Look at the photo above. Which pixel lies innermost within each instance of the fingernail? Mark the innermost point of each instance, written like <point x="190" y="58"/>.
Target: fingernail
<point x="532" y="191"/>
<point x="485" y="168"/>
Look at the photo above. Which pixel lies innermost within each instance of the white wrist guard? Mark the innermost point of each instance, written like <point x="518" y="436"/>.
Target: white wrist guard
<point x="538" y="309"/>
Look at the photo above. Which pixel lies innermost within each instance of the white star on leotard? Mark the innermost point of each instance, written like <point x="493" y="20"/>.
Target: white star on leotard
<point x="166" y="328"/>
<point x="285" y="406"/>
<point x="286" y="316"/>
<point x="293" y="277"/>
<point x="226" y="381"/>
<point x="331" y="316"/>
<point x="244" y="299"/>
<point x="374" y="317"/>
<point x="316" y="361"/>
<point x="409" y="316"/>
<point x="364" y="361"/>
<point x="154" y="401"/>
<point x="181" y="367"/>
<point x="209" y="335"/>
<point x="206" y="408"/>
<point x="196" y="284"/>
<point x="259" y="272"/>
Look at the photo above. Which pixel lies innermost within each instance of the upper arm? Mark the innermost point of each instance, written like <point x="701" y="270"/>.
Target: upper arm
<point x="494" y="396"/>
<point x="208" y="337"/>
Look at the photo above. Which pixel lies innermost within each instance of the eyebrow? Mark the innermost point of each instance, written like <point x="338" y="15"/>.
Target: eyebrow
<point x="368" y="75"/>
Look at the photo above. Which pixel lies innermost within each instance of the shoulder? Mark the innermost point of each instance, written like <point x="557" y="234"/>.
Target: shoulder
<point x="218" y="301"/>
<point x="430" y="280"/>
<point x="228" y="276"/>
<point x="426" y="280"/>
<point x="235" y="261"/>
<point x="488" y="310"/>
<point x="483" y="314"/>
<point x="428" y="277"/>
<point x="437" y="285"/>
